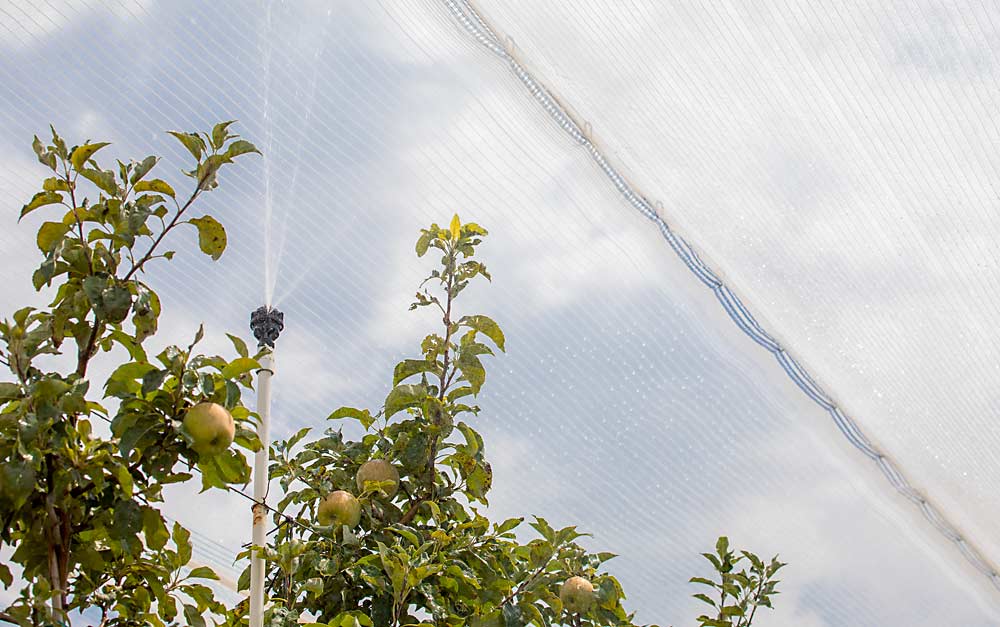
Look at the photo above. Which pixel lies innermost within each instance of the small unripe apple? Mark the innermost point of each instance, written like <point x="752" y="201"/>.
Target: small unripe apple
<point x="577" y="595"/>
<point x="211" y="428"/>
<point x="378" y="470"/>
<point x="339" y="508"/>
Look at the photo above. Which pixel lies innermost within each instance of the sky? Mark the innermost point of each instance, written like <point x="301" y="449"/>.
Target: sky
<point x="809" y="156"/>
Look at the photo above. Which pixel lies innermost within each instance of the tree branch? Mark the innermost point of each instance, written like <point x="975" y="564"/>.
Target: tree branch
<point x="86" y="352"/>
<point x="410" y="513"/>
<point x="173" y="223"/>
<point x="756" y="601"/>
<point x="527" y="581"/>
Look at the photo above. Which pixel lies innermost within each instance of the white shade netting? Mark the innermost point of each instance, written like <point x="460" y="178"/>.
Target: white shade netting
<point x="835" y="170"/>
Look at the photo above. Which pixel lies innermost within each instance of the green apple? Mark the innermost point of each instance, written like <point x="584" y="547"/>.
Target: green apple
<point x="211" y="428"/>
<point x="379" y="470"/>
<point x="577" y="595"/>
<point x="339" y="508"/>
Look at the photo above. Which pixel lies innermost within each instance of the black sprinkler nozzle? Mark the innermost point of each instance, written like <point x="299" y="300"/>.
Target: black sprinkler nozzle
<point x="266" y="324"/>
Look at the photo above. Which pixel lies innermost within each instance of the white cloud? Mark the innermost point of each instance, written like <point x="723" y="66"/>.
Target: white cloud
<point x="385" y="119"/>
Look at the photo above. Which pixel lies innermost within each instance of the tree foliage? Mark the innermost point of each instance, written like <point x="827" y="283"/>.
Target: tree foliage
<point x="82" y="471"/>
<point x="81" y="481"/>
<point x="423" y="554"/>
<point x="740" y="592"/>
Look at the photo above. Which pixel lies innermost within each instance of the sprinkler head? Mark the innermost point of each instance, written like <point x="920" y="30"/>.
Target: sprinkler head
<point x="266" y="324"/>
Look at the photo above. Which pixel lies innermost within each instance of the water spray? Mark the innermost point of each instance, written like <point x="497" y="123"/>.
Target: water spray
<point x="266" y="324"/>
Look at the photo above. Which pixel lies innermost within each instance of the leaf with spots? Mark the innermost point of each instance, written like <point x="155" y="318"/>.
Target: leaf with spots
<point x="211" y="236"/>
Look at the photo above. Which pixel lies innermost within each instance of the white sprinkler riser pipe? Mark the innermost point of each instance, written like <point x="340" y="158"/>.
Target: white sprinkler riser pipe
<point x="260" y="485"/>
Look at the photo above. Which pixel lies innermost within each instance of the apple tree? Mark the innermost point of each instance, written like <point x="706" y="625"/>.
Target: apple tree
<point x="84" y="462"/>
<point x="385" y="530"/>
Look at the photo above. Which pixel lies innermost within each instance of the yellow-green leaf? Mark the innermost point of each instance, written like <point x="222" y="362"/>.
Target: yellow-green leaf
<point x="103" y="179"/>
<point x="39" y="200"/>
<point x="239" y="366"/>
<point x="486" y="326"/>
<point x="403" y="396"/>
<point x="54" y="184"/>
<point x="82" y="153"/>
<point x="240" y="147"/>
<point x="211" y="236"/>
<point x="156" y="185"/>
<point x="456" y="228"/>
<point x="49" y="235"/>
<point x="191" y="141"/>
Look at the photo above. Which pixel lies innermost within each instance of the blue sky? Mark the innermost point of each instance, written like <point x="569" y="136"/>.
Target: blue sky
<point x="628" y="403"/>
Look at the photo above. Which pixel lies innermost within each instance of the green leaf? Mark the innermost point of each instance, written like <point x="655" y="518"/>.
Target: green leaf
<point x="110" y="301"/>
<point x="608" y="594"/>
<point x="722" y="545"/>
<point x="156" y="185"/>
<point x="44" y="156"/>
<point x="9" y="391"/>
<point x="182" y="538"/>
<point x="40" y="200"/>
<point x="191" y="141"/>
<point x="409" y="367"/>
<point x="715" y="561"/>
<point x="55" y="184"/>
<point x="193" y="616"/>
<point x="458" y="393"/>
<point x="508" y="524"/>
<point x="83" y="153"/>
<point x="704" y="598"/>
<point x="314" y="585"/>
<point x="486" y="326"/>
<point x="403" y="396"/>
<point x="406" y="533"/>
<point x="50" y="234"/>
<point x="414" y="455"/>
<point x="472" y="371"/>
<point x="127" y="520"/>
<point x="479" y="481"/>
<point x="239" y="366"/>
<point x="103" y="179"/>
<point x="423" y="243"/>
<point x="211" y="236"/>
<point x="472" y="439"/>
<point x="203" y="572"/>
<point x="239" y="345"/>
<point x="227" y="467"/>
<point x="361" y="415"/>
<point x="512" y="616"/>
<point x="219" y="134"/>
<point x="130" y="371"/>
<point x="153" y="379"/>
<point x="240" y="147"/>
<point x="153" y="528"/>
<point x="17" y="480"/>
<point x="142" y="169"/>
<point x="474" y="229"/>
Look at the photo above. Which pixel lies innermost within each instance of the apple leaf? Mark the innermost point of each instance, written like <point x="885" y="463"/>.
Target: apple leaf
<point x="211" y="236"/>
<point x="81" y="154"/>
<point x="403" y="396"/>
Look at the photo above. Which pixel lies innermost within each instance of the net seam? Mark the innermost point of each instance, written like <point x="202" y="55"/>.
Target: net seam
<point x="473" y="22"/>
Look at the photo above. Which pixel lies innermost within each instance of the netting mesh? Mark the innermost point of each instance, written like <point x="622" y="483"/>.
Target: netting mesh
<point x="811" y="162"/>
